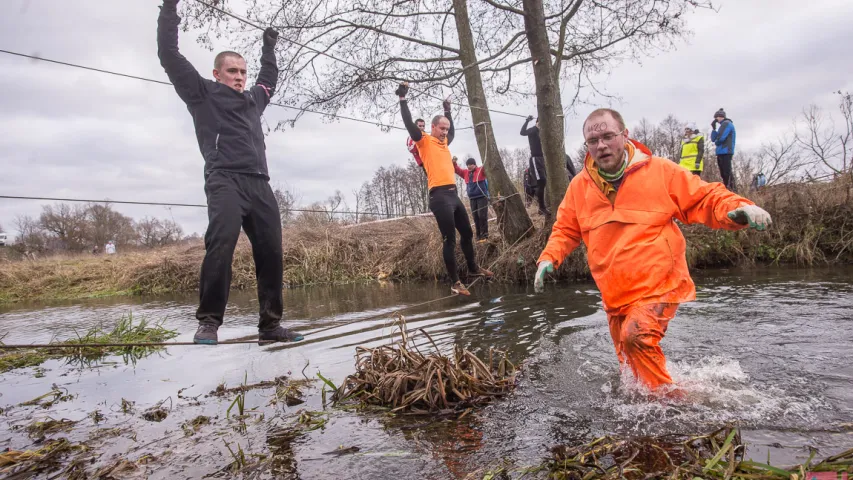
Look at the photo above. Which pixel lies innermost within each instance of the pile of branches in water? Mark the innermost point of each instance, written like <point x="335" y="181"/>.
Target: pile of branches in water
<point x="716" y="455"/>
<point x="399" y="376"/>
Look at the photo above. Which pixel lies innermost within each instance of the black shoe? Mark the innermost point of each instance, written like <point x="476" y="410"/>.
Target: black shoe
<point x="206" y="334"/>
<point x="279" y="334"/>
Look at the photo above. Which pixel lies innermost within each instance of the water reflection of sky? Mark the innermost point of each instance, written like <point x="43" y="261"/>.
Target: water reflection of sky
<point x="769" y="349"/>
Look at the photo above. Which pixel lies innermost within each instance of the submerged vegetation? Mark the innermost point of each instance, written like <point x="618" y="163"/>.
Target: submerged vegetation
<point x="125" y="331"/>
<point x="401" y="377"/>
<point x="719" y="454"/>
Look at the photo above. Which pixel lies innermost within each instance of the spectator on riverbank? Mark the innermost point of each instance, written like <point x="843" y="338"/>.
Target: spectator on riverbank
<point x="724" y="138"/>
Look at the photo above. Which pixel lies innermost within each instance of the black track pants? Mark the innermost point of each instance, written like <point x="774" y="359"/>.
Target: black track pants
<point x="480" y="212"/>
<point x="450" y="215"/>
<point x="235" y="200"/>
<point x="725" y="164"/>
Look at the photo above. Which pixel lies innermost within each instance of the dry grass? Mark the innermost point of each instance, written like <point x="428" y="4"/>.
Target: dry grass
<point x="401" y="377"/>
<point x="813" y="225"/>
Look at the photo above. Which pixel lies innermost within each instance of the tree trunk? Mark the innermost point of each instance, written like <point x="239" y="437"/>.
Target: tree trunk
<point x="513" y="221"/>
<point x="549" y="103"/>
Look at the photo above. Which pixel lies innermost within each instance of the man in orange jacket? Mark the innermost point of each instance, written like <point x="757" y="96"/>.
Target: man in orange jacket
<point x="623" y="206"/>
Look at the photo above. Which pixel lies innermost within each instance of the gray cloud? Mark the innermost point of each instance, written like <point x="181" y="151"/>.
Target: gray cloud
<point x="73" y="133"/>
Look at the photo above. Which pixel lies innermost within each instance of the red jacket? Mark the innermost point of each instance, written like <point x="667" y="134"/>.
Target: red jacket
<point x="413" y="149"/>
<point x="475" y="180"/>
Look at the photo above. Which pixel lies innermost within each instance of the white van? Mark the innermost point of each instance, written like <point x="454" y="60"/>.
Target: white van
<point x="2" y="239"/>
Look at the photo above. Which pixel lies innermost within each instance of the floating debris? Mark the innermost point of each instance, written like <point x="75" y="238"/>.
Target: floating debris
<point x="24" y="463"/>
<point x="399" y="376"/>
<point x="679" y="457"/>
<point x="40" y="429"/>
<point x="192" y="426"/>
<point x="123" y="332"/>
<point x="155" y="414"/>
<point x="59" y="394"/>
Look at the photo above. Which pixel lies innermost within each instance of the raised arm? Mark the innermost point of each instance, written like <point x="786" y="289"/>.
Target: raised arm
<point x="413" y="129"/>
<point x="701" y="154"/>
<point x="268" y="75"/>
<point x="185" y="78"/>
<point x="459" y="170"/>
<point x="451" y="133"/>
<point x="524" y="126"/>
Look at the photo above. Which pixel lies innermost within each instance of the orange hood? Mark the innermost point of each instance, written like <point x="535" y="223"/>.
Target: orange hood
<point x="635" y="250"/>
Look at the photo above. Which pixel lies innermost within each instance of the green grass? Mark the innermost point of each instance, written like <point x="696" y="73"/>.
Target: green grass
<point x="124" y="331"/>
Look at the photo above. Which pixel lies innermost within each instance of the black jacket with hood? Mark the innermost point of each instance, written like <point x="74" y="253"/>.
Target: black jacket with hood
<point x="227" y="123"/>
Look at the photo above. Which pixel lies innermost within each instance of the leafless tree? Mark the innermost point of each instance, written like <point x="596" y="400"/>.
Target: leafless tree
<point x="286" y="197"/>
<point x="831" y="151"/>
<point x="779" y="160"/>
<point x="30" y="236"/>
<point x="148" y="232"/>
<point x="67" y="225"/>
<point x="106" y="224"/>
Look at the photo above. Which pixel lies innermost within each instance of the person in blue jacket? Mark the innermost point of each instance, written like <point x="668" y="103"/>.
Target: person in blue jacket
<point x="477" y="188"/>
<point x="724" y="137"/>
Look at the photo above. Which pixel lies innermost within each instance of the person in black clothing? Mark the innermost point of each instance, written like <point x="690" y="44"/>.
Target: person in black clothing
<point x="570" y="167"/>
<point x="536" y="162"/>
<point x="227" y="120"/>
<point x="444" y="202"/>
<point x="529" y="187"/>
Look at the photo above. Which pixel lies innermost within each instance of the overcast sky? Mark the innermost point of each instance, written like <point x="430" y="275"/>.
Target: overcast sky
<point x="73" y="133"/>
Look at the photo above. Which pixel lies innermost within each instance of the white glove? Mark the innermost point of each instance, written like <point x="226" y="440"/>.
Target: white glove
<point x="755" y="216"/>
<point x="539" y="283"/>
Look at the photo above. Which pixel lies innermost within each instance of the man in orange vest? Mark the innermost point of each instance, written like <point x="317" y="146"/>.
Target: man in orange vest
<point x="444" y="202"/>
<point x="623" y="206"/>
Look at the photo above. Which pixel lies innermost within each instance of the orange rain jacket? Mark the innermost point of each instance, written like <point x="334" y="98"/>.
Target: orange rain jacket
<point x="636" y="252"/>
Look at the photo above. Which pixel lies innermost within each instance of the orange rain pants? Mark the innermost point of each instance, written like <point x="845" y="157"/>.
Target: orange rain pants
<point x="636" y="336"/>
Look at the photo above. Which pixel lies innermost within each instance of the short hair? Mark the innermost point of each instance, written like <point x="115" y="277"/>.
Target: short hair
<point x="601" y="111"/>
<point x="437" y="119"/>
<point x="220" y="57"/>
<point x="420" y="120"/>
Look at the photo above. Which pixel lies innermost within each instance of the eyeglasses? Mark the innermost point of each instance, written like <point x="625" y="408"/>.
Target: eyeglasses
<point x="607" y="137"/>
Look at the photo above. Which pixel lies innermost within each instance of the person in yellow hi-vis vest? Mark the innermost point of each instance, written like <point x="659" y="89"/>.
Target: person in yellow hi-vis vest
<point x="693" y="150"/>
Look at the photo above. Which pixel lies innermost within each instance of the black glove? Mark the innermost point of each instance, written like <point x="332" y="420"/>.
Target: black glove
<point x="446" y="105"/>
<point x="270" y="37"/>
<point x="714" y="124"/>
<point x="529" y="118"/>
<point x="402" y="90"/>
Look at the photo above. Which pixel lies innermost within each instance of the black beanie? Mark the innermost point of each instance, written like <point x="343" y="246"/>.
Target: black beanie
<point x="470" y="161"/>
<point x="720" y="113"/>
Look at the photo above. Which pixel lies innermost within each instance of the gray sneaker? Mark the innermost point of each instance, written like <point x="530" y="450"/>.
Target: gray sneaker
<point x="206" y="334"/>
<point x="279" y="334"/>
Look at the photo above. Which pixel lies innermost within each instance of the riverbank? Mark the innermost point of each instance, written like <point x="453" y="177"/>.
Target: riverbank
<point x="813" y="225"/>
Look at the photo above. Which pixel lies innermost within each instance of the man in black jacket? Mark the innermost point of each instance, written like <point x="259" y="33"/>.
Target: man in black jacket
<point x="537" y="163"/>
<point x="227" y="120"/>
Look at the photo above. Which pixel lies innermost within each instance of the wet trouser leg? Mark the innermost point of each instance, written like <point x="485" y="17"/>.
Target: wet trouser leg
<point x="540" y="195"/>
<point x="725" y="164"/>
<point x="226" y="205"/>
<point x="480" y="212"/>
<point x="262" y="225"/>
<point x="636" y="337"/>
<point x="466" y="235"/>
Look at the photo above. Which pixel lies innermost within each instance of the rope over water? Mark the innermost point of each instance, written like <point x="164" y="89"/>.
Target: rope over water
<point x="259" y="342"/>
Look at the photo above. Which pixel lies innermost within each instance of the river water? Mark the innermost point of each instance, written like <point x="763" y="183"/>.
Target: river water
<point x="768" y="349"/>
